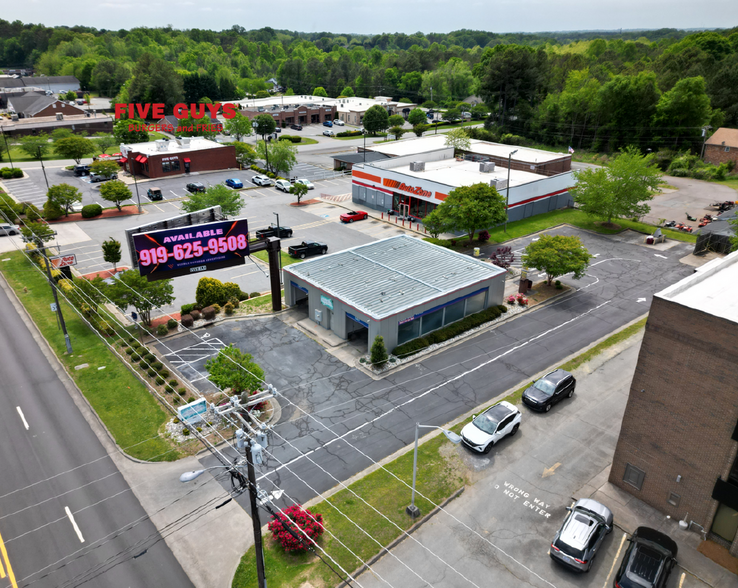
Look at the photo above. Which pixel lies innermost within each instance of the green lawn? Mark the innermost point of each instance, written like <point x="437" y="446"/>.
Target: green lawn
<point x="731" y="183"/>
<point x="286" y="259"/>
<point x="306" y="141"/>
<point x="437" y="480"/>
<point x="122" y="402"/>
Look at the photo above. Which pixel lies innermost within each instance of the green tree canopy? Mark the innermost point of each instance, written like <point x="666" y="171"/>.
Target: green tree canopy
<point x="347" y="92"/>
<point x="245" y="153"/>
<point x="557" y="255"/>
<point x="398" y="132"/>
<point x="683" y="110"/>
<point x="104" y="141"/>
<point x="37" y="233"/>
<point x="64" y="196"/>
<point x="396" y="120"/>
<point x="115" y="191"/>
<point x="471" y="208"/>
<point x="122" y="134"/>
<point x="620" y="190"/>
<point x="419" y="129"/>
<point x="104" y="167"/>
<point x="416" y="117"/>
<point x="155" y="81"/>
<point x="299" y="190"/>
<point x="111" y="252"/>
<point x="282" y="156"/>
<point x="458" y="139"/>
<point x="130" y="288"/>
<point x="230" y="201"/>
<point x="320" y="91"/>
<point x="239" y="126"/>
<point x="376" y="119"/>
<point x="36" y="146"/>
<point x="234" y="369"/>
<point x="74" y="147"/>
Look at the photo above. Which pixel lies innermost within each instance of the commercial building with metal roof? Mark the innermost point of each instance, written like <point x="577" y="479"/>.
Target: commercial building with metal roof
<point x="400" y="288"/>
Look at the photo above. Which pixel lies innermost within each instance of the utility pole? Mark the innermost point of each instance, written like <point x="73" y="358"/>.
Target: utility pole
<point x="258" y="547"/>
<point x="10" y="159"/>
<point x="56" y="302"/>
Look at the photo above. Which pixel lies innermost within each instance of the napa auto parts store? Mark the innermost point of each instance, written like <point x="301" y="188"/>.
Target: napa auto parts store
<point x="163" y="158"/>
<point x="413" y="184"/>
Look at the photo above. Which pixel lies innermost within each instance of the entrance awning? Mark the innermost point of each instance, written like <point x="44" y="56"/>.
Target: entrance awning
<point x="123" y="160"/>
<point x="143" y="160"/>
<point x="138" y="158"/>
<point x="186" y="160"/>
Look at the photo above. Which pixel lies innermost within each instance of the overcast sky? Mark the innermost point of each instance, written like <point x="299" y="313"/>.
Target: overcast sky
<point x="383" y="16"/>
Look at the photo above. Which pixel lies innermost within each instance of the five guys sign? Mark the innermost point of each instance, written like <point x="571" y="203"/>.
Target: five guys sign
<point x="186" y="250"/>
<point x="181" y="111"/>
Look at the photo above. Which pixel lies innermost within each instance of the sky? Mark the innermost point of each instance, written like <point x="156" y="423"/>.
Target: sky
<point x="384" y="16"/>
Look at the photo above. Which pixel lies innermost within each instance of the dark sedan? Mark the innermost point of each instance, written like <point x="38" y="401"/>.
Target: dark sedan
<point x="551" y="388"/>
<point x="648" y="561"/>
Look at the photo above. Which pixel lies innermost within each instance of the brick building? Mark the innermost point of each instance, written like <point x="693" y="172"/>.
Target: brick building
<point x="86" y="124"/>
<point x="300" y="114"/>
<point x="722" y="146"/>
<point x="162" y="158"/>
<point x="678" y="444"/>
<point x="35" y="105"/>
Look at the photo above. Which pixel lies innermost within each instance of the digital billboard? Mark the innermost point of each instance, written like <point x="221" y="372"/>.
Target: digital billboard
<point x="187" y="250"/>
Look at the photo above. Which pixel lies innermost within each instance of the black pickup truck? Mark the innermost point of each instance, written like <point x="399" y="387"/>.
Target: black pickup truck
<point x="306" y="249"/>
<point x="271" y="231"/>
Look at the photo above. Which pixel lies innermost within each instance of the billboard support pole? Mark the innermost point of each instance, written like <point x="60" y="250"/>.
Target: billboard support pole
<point x="274" y="250"/>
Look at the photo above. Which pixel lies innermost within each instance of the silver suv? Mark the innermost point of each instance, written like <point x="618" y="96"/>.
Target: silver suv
<point x="581" y="535"/>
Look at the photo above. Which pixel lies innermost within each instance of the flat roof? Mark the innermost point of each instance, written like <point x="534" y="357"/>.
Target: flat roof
<point x="434" y="142"/>
<point x="150" y="148"/>
<point x="50" y="121"/>
<point x="368" y="157"/>
<point x="711" y="289"/>
<point x="463" y="173"/>
<point x="390" y="276"/>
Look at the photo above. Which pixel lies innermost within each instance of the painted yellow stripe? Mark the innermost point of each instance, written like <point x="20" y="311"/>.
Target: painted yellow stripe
<point x="11" y="575"/>
<point x="615" y="561"/>
<point x="2" y="570"/>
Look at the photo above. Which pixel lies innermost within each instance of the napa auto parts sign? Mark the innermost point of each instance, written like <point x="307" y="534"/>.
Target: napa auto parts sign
<point x="187" y="250"/>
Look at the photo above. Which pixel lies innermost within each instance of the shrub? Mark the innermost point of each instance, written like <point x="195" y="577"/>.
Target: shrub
<point x="199" y="429"/>
<point x="186" y="309"/>
<point x="228" y="309"/>
<point x="6" y="173"/>
<point x="243" y="296"/>
<point x="483" y="236"/>
<point x="157" y="365"/>
<point x="173" y="383"/>
<point x="558" y="285"/>
<point x="311" y="525"/>
<point x="191" y="399"/>
<point x="31" y="211"/>
<point x="379" y="352"/>
<point x="17" y="173"/>
<point x="129" y="350"/>
<point x="151" y="373"/>
<point x="91" y="210"/>
<point x="211" y="291"/>
<point x="216" y="308"/>
<point x="185" y="431"/>
<point x="169" y="390"/>
<point x="182" y="391"/>
<point x="162" y="330"/>
<point x="187" y="320"/>
<point x="233" y="301"/>
<point x="159" y="381"/>
<point x="150" y="357"/>
<point x="195" y="314"/>
<point x="171" y="324"/>
<point x="132" y="340"/>
<point x="164" y="373"/>
<point x="254" y="294"/>
<point x="208" y="313"/>
<point x="52" y="210"/>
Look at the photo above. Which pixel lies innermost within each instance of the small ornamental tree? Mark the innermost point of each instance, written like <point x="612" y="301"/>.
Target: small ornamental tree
<point x="234" y="369"/>
<point x="379" y="352"/>
<point x="398" y="132"/>
<point x="293" y="525"/>
<point x="299" y="190"/>
<point x="104" y="167"/>
<point x="557" y="255"/>
<point x="416" y="117"/>
<point x="74" y="147"/>
<point x="420" y="129"/>
<point x="111" y="252"/>
<point x="376" y="119"/>
<point x="396" y="120"/>
<point x="64" y="196"/>
<point x="115" y="192"/>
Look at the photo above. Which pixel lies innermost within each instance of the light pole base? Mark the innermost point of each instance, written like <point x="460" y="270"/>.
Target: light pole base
<point x="413" y="511"/>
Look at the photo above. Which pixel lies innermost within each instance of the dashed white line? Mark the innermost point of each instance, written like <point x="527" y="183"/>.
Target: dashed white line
<point x="23" y="418"/>
<point x="74" y="524"/>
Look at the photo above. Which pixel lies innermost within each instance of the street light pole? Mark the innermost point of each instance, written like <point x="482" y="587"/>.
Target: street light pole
<point x="138" y="196"/>
<point x="413" y="510"/>
<point x="41" y="159"/>
<point x="507" y="195"/>
<point x="364" y="133"/>
<point x="47" y="263"/>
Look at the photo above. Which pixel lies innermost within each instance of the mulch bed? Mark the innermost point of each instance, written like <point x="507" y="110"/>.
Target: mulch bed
<point x="306" y="202"/>
<point x="719" y="554"/>
<point x="112" y="213"/>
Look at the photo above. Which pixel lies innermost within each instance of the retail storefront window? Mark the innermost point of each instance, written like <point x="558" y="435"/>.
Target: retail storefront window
<point x="475" y="303"/>
<point x="454" y="312"/>
<point x="408" y="331"/>
<point x="432" y="321"/>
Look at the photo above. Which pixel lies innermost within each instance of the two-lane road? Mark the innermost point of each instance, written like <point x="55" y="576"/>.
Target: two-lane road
<point x="65" y="510"/>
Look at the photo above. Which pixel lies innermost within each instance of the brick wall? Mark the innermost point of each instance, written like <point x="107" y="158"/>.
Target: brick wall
<point x="681" y="411"/>
<point x="206" y="160"/>
<point x="716" y="154"/>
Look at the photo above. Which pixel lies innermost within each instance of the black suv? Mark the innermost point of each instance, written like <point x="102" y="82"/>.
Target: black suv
<point x="195" y="187"/>
<point x="648" y="561"/>
<point x="296" y="127"/>
<point x="81" y="170"/>
<point x="551" y="388"/>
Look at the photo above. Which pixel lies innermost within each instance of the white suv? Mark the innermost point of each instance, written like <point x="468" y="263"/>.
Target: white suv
<point x="338" y="122"/>
<point x="262" y="181"/>
<point x="283" y="185"/>
<point x="493" y="425"/>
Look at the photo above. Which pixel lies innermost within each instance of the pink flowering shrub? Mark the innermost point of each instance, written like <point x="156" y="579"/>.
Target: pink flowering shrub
<point x="293" y="517"/>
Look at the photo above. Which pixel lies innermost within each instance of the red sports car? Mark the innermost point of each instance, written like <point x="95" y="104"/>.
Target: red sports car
<point x="349" y="217"/>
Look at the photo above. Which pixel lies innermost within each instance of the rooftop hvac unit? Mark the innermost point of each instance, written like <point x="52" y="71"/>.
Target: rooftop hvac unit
<point x="161" y="145"/>
<point x="498" y="184"/>
<point x="186" y="141"/>
<point x="417" y="166"/>
<point x="59" y="116"/>
<point x="487" y="167"/>
<point x="14" y="116"/>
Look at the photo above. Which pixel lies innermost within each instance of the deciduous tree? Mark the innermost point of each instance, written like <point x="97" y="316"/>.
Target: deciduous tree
<point x="471" y="208"/>
<point x="104" y="141"/>
<point x="376" y="119"/>
<point x="115" y="191"/>
<point x="111" y="252"/>
<point x="416" y="117"/>
<point x="458" y="139"/>
<point x="64" y="196"/>
<point x="239" y="126"/>
<point x="130" y="288"/>
<point x="234" y="369"/>
<point x="129" y="131"/>
<point x="74" y="147"/>
<point x="557" y="255"/>
<point x="36" y="146"/>
<point x="230" y="201"/>
<point x="104" y="167"/>
<point x="299" y="190"/>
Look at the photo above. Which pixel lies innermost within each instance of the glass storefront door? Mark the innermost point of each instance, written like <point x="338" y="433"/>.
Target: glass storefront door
<point x="725" y="523"/>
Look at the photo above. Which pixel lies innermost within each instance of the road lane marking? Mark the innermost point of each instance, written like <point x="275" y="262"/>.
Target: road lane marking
<point x="74" y="524"/>
<point x="23" y="418"/>
<point x="11" y="575"/>
<point x="612" y="567"/>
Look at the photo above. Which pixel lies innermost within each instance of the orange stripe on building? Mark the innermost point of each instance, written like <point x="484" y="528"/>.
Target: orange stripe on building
<point x="390" y="183"/>
<point x="441" y="196"/>
<point x="366" y="176"/>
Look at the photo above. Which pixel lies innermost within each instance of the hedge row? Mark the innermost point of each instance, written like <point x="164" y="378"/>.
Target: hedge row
<point x="449" y="332"/>
<point x="8" y="173"/>
<point x="349" y="134"/>
<point x="293" y="138"/>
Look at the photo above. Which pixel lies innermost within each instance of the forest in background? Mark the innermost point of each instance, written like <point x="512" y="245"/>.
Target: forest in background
<point x="598" y="90"/>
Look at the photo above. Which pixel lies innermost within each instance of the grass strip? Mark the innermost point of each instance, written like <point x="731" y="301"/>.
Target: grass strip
<point x="131" y="414"/>
<point x="286" y="258"/>
<point x="436" y="479"/>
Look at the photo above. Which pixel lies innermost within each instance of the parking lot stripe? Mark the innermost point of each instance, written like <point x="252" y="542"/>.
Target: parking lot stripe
<point x="617" y="556"/>
<point x="681" y="580"/>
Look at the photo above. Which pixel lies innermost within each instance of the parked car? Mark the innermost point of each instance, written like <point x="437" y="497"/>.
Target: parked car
<point x="494" y="424"/>
<point x="338" y="122"/>
<point x="195" y="187"/>
<point x="271" y="231"/>
<point x="349" y="217"/>
<point x="329" y="133"/>
<point x="234" y="183"/>
<point x="278" y="129"/>
<point x="8" y="229"/>
<point x="551" y="388"/>
<point x="648" y="561"/>
<point x="307" y="248"/>
<point x="327" y="124"/>
<point x="102" y="177"/>
<point x="304" y="182"/>
<point x="580" y="536"/>
<point x="283" y="185"/>
<point x="154" y="193"/>
<point x="262" y="181"/>
<point x="296" y="127"/>
<point x="81" y="170"/>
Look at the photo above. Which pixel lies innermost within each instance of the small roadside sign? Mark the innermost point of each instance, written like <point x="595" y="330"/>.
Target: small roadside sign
<point x="53" y="306"/>
<point x="61" y="261"/>
<point x="192" y="412"/>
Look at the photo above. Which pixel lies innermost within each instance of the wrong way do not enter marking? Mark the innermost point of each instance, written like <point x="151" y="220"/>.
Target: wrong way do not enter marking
<point x="524" y="498"/>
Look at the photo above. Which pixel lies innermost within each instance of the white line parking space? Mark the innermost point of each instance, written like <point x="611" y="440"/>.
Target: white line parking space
<point x="74" y="524"/>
